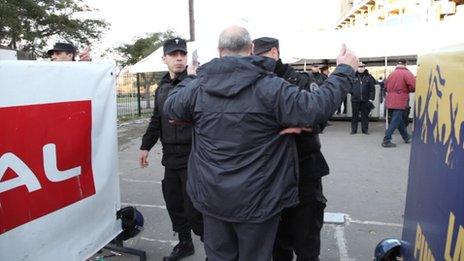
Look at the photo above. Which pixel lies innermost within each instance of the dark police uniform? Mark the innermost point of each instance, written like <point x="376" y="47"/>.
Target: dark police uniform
<point x="363" y="91"/>
<point x="176" y="141"/>
<point x="300" y="226"/>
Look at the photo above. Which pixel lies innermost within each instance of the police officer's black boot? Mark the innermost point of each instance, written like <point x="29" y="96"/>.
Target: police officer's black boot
<point x="183" y="249"/>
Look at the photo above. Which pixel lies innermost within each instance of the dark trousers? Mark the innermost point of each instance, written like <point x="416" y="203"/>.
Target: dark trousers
<point x="358" y="107"/>
<point x="183" y="215"/>
<point x="229" y="241"/>
<point x="397" y="122"/>
<point x="300" y="228"/>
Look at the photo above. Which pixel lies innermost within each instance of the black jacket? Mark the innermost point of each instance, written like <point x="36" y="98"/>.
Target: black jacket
<point x="304" y="80"/>
<point x="176" y="139"/>
<point x="320" y="77"/>
<point x="363" y="88"/>
<point x="311" y="161"/>
<point x="241" y="169"/>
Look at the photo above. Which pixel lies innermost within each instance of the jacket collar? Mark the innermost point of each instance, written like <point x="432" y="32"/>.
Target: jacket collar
<point x="167" y="78"/>
<point x="280" y="68"/>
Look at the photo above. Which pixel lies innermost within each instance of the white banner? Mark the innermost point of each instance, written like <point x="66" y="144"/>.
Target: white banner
<point x="59" y="188"/>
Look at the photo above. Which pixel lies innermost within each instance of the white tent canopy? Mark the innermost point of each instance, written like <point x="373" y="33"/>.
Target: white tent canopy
<point x="375" y="42"/>
<point x="151" y="63"/>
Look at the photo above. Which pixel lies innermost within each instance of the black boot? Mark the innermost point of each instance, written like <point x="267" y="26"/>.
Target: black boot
<point x="181" y="250"/>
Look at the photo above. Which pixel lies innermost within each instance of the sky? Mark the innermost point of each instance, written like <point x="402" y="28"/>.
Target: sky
<point x="133" y="19"/>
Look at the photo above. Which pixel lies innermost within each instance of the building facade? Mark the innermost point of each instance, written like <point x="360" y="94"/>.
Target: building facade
<point x="358" y="14"/>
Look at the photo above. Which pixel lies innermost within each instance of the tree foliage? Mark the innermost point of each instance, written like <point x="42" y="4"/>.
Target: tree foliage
<point x="24" y="21"/>
<point x="142" y="47"/>
<point x="132" y="53"/>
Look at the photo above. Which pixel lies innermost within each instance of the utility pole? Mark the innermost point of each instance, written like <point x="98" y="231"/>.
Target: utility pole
<point x="191" y="21"/>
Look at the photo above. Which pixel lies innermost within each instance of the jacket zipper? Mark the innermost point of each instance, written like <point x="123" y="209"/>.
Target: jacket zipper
<point x="361" y="86"/>
<point x="175" y="125"/>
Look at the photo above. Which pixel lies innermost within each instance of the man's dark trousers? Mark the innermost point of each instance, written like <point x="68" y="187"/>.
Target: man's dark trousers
<point x="229" y="241"/>
<point x="183" y="215"/>
<point x="300" y="227"/>
<point x="358" y="107"/>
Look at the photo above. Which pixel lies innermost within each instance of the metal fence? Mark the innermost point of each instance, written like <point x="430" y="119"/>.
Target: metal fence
<point x="135" y="94"/>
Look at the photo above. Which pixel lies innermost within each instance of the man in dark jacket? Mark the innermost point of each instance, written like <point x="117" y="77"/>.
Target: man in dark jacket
<point x="176" y="141"/>
<point x="300" y="226"/>
<point x="242" y="172"/>
<point x="362" y="96"/>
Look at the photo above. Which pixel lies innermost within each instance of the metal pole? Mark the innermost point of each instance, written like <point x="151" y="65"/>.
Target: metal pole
<point x="191" y="21"/>
<point x="139" y="107"/>
<point x="385" y="100"/>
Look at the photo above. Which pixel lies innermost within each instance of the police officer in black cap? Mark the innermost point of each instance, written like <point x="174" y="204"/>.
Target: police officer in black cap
<point x="318" y="72"/>
<point x="300" y="226"/>
<point x="269" y="47"/>
<point x="176" y="141"/>
<point x="324" y="68"/>
<point x="66" y="52"/>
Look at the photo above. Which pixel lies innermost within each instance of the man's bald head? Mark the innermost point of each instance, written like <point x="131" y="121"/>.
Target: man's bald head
<point x="234" y="41"/>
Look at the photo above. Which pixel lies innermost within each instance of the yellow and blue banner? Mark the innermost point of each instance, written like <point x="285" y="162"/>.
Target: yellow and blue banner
<point x="434" y="213"/>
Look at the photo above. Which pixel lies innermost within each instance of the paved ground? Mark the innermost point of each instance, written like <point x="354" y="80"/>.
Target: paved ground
<point x="367" y="183"/>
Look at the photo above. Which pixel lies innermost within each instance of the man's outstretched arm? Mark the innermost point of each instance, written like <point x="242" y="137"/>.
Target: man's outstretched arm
<point x="299" y="108"/>
<point x="181" y="100"/>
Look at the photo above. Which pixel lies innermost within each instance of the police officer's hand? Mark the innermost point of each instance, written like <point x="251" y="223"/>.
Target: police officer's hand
<point x="294" y="130"/>
<point x="346" y="56"/>
<point x="85" y="55"/>
<point x="143" y="158"/>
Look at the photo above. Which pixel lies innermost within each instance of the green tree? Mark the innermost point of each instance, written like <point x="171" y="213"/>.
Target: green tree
<point x="142" y="47"/>
<point x="23" y="21"/>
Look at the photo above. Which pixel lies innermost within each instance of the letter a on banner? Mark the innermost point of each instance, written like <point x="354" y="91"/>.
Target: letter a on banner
<point x="25" y="175"/>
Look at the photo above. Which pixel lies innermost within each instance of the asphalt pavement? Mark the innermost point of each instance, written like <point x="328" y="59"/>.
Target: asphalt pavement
<point x="366" y="192"/>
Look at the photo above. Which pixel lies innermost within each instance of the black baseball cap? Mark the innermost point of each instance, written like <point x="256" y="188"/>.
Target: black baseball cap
<point x="175" y="44"/>
<point x="264" y="44"/>
<point x="62" y="47"/>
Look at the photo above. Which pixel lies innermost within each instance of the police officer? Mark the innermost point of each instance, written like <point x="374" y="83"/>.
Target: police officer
<point x="300" y="226"/>
<point x="176" y="141"/>
<point x="362" y="96"/>
<point x="269" y="47"/>
<point x="320" y="77"/>
<point x="66" y="52"/>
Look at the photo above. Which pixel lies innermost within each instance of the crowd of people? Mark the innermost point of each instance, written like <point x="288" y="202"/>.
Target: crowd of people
<point x="240" y="138"/>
